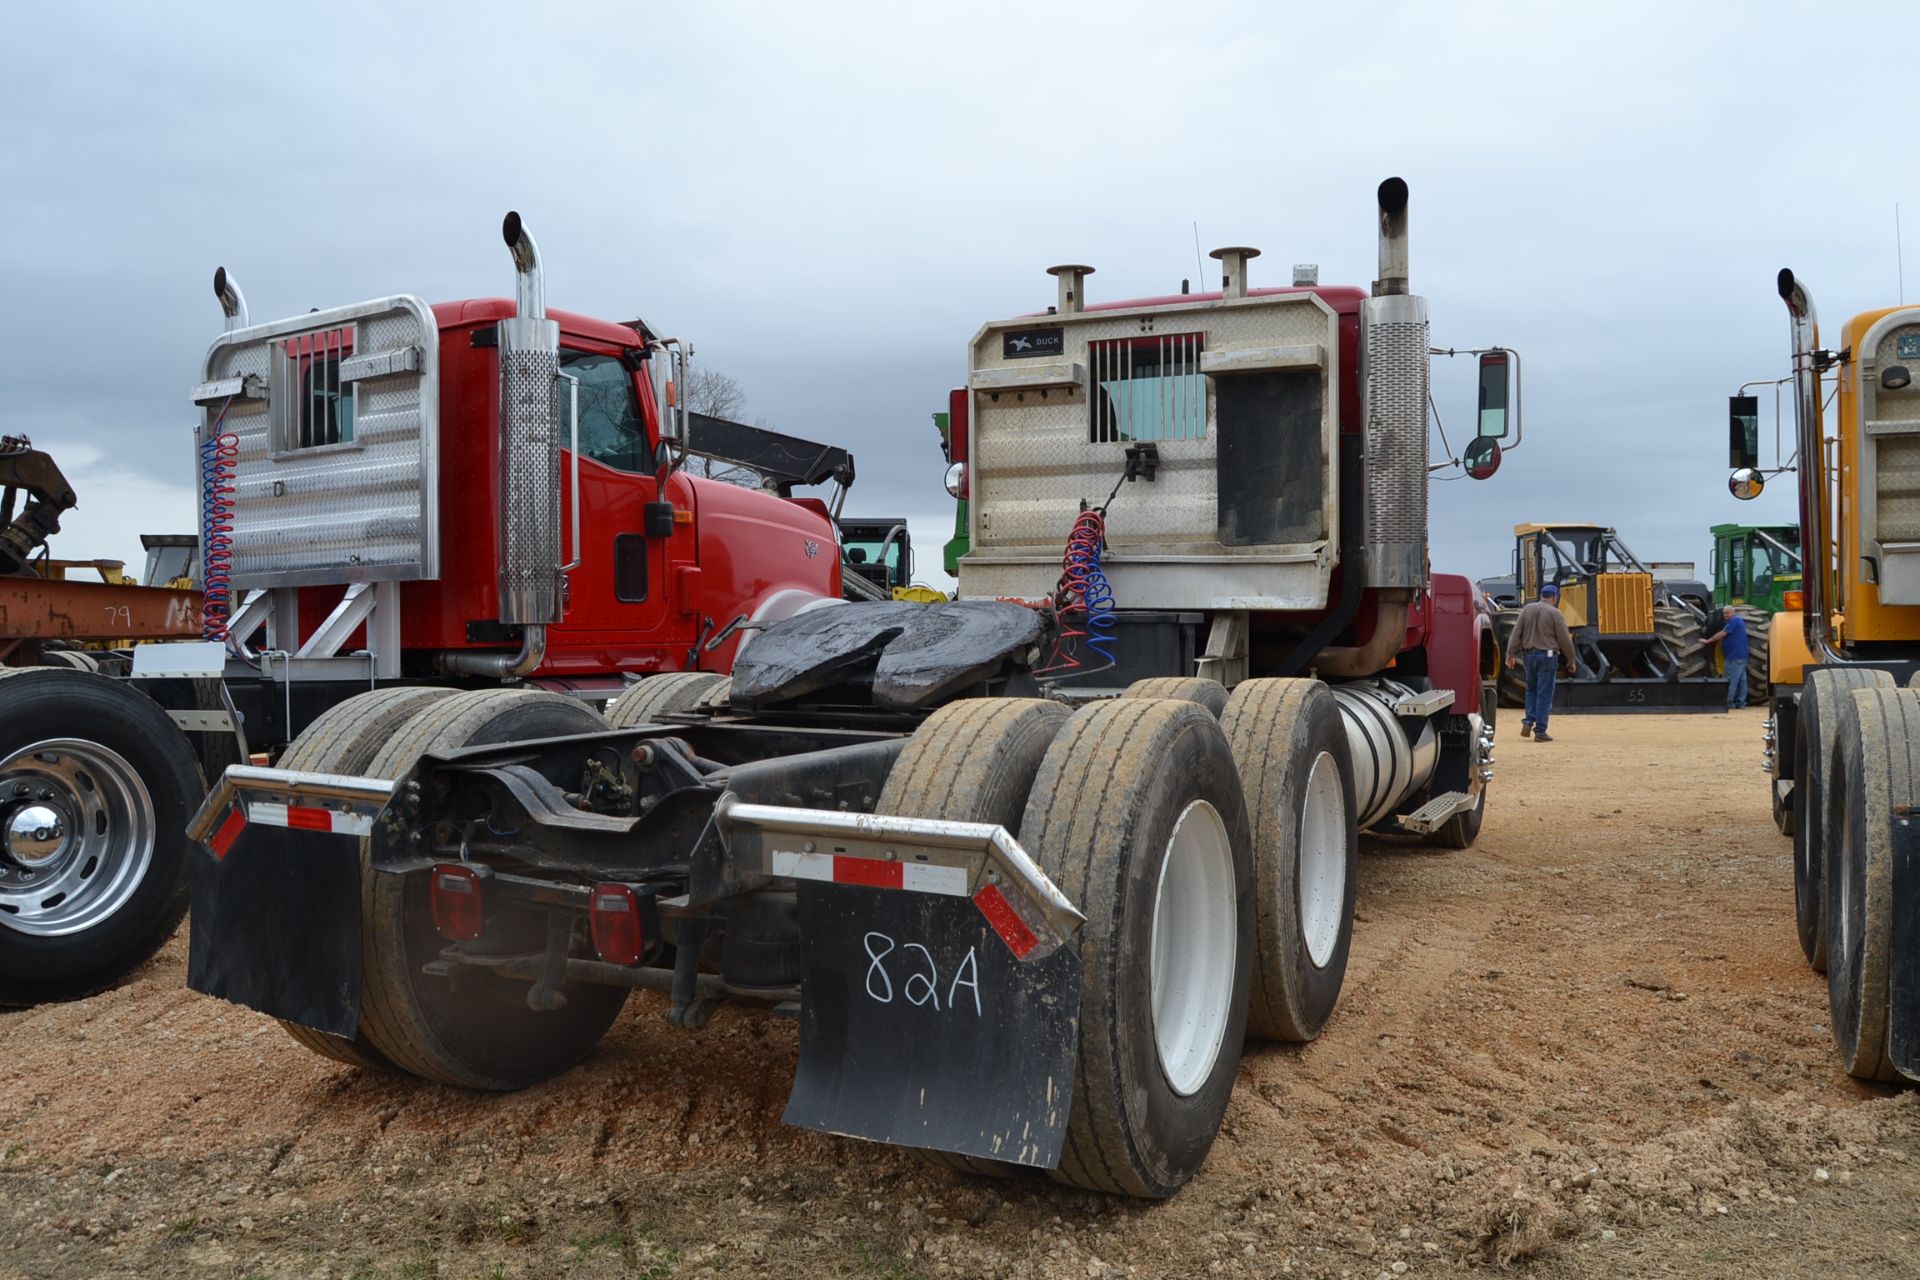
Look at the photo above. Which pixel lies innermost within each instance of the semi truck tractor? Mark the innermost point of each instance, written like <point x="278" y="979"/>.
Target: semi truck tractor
<point x="400" y="499"/>
<point x="1030" y="866"/>
<point x="1843" y="740"/>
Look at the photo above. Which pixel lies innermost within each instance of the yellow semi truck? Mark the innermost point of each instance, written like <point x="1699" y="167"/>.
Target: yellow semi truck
<point x="1843" y="739"/>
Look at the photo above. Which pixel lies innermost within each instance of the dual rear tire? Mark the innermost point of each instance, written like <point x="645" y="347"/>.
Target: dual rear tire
<point x="1874" y="786"/>
<point x="471" y="1028"/>
<point x="1214" y="860"/>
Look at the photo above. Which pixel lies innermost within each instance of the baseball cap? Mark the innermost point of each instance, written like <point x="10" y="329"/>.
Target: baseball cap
<point x="1550" y="590"/>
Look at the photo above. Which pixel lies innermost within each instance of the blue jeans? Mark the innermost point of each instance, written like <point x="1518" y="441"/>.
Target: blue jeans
<point x="1736" y="683"/>
<point x="1541" y="668"/>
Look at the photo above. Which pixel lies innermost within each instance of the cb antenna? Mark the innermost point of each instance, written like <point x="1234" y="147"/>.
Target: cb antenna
<point x="1899" y="259"/>
<point x="1199" y="270"/>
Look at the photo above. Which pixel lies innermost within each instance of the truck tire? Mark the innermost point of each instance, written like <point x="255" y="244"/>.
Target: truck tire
<point x="476" y="1030"/>
<point x="973" y="761"/>
<point x="1210" y="694"/>
<point x="1138" y="817"/>
<point x="1872" y="775"/>
<point x="662" y="695"/>
<point x="1291" y="746"/>
<point x="1759" y="673"/>
<point x="71" y="659"/>
<point x="345" y="740"/>
<point x="1513" y="680"/>
<point x="1820" y="701"/>
<point x="96" y="788"/>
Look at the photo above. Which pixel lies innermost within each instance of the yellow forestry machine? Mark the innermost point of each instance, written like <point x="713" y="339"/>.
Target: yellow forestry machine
<point x="1637" y="641"/>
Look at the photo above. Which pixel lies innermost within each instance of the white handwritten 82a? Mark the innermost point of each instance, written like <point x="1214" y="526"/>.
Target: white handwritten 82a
<point x="921" y="985"/>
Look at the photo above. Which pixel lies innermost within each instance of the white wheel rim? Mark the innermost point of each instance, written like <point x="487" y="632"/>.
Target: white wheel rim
<point x="1322" y="868"/>
<point x="1194" y="943"/>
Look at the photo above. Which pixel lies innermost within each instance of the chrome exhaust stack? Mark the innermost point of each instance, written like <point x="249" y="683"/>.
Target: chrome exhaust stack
<point x="1813" y="472"/>
<point x="529" y="486"/>
<point x="1393" y="404"/>
<point x="232" y="301"/>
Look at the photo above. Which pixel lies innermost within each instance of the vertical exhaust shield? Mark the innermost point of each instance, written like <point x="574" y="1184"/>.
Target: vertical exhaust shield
<point x="529" y="446"/>
<point x="1393" y="403"/>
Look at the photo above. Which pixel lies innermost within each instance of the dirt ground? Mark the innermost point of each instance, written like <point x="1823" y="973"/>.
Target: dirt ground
<point x="1588" y="1046"/>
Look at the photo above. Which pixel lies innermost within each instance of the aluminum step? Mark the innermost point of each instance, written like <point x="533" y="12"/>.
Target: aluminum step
<point x="1433" y="815"/>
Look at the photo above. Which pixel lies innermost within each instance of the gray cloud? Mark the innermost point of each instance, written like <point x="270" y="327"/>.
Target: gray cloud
<point x="830" y="199"/>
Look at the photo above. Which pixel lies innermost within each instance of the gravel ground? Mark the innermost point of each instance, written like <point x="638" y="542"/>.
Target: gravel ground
<point x="1588" y="1046"/>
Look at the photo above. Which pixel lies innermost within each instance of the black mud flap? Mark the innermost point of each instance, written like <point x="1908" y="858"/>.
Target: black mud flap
<point x="920" y="1028"/>
<point x="1903" y="948"/>
<point x="276" y="923"/>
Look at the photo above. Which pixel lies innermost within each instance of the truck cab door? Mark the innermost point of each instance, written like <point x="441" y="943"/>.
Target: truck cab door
<point x="617" y="594"/>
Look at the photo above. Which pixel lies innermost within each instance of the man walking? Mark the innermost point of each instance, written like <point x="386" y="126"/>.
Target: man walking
<point x="1732" y="637"/>
<point x="1540" y="639"/>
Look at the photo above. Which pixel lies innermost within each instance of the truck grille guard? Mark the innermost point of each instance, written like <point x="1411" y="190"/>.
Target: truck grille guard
<point x="981" y="861"/>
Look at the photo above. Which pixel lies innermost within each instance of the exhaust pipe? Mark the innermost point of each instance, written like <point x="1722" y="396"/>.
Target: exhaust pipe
<point x="1233" y="269"/>
<point x="1393" y="407"/>
<point x="1389" y="630"/>
<point x="1071" y="277"/>
<point x="529" y="483"/>
<point x="1393" y="239"/>
<point x="232" y="301"/>
<point x="499" y="666"/>
<point x="1813" y="458"/>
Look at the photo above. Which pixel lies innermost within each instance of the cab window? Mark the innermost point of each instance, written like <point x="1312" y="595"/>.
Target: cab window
<point x="611" y="430"/>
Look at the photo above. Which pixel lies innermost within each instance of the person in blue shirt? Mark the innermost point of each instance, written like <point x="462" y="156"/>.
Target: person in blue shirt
<point x="1732" y="637"/>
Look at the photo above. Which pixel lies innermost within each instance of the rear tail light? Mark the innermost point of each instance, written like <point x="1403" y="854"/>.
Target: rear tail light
<point x="1794" y="600"/>
<point x="619" y="927"/>
<point x="458" y="906"/>
<point x="959" y="445"/>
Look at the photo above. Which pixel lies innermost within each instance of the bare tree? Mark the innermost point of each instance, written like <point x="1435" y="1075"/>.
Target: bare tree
<point x="715" y="394"/>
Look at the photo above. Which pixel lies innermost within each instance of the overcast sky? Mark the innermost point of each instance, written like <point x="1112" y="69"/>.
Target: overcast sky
<point x="830" y="199"/>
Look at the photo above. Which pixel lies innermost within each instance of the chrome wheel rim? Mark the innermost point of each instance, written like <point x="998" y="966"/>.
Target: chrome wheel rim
<point x="1194" y="940"/>
<point x="77" y="832"/>
<point x="1322" y="868"/>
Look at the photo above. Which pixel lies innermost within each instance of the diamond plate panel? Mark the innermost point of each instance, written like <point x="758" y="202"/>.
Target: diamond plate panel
<point x="1034" y="459"/>
<point x="355" y="512"/>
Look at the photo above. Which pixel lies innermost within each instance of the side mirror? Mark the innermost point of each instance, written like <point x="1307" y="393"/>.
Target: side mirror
<point x="1496" y="380"/>
<point x="1743" y="432"/>
<point x="663" y="457"/>
<point x="1482" y="457"/>
<point x="1746" y="484"/>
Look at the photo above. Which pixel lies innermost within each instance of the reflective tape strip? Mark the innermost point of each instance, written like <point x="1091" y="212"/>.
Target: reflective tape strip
<point x="1005" y="921"/>
<point x="874" y="873"/>
<point x="229" y="832"/>
<point x="308" y="818"/>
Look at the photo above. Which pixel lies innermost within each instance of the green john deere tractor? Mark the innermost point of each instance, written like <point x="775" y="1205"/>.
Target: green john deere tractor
<point x="1755" y="568"/>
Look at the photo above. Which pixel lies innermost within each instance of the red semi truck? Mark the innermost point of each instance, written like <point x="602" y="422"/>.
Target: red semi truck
<point x="395" y="494"/>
